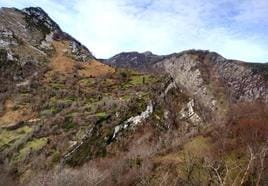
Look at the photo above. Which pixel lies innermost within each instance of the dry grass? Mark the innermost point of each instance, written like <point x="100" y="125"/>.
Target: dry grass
<point x="94" y="69"/>
<point x="173" y="158"/>
<point x="61" y="63"/>
<point x="12" y="114"/>
<point x="64" y="64"/>
<point x="198" y="147"/>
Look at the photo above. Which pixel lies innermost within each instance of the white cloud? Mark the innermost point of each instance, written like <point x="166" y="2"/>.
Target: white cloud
<point x="253" y="11"/>
<point x="108" y="27"/>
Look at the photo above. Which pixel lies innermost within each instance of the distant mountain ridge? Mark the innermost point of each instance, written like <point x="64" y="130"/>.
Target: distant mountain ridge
<point x="138" y="61"/>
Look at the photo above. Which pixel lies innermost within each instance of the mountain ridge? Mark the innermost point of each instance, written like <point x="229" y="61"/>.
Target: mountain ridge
<point x="145" y="119"/>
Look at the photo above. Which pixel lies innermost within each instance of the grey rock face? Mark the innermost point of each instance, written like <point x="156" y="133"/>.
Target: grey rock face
<point x="29" y="35"/>
<point x="7" y="39"/>
<point x="80" y="52"/>
<point x="27" y="43"/>
<point x="244" y="84"/>
<point x="215" y="82"/>
<point x="188" y="113"/>
<point x="133" y="121"/>
<point x="187" y="75"/>
<point x="17" y="22"/>
<point x="39" y="17"/>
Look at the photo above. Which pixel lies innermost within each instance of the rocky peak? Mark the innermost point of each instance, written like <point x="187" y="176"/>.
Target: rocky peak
<point x="33" y="27"/>
<point x="38" y="17"/>
<point x="28" y="40"/>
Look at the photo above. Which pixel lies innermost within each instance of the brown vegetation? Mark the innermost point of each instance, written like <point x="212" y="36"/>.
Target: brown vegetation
<point x="62" y="63"/>
<point x="13" y="113"/>
<point x="94" y="69"/>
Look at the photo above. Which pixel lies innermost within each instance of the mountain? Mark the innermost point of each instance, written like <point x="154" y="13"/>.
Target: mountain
<point x="206" y="76"/>
<point x="66" y="118"/>
<point x="59" y="105"/>
<point x="216" y="81"/>
<point x="28" y="40"/>
<point x="142" y="62"/>
<point x="35" y="29"/>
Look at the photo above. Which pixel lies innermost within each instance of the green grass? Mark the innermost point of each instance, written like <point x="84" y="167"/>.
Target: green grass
<point x="86" y="82"/>
<point x="68" y="123"/>
<point x="109" y="83"/>
<point x="192" y="155"/>
<point x="53" y="100"/>
<point x="52" y="107"/>
<point x="8" y="137"/>
<point x="198" y="146"/>
<point x="141" y="79"/>
<point x="126" y="97"/>
<point x="66" y="101"/>
<point x="72" y="98"/>
<point x="102" y="115"/>
<point x="138" y="80"/>
<point x="57" y="86"/>
<point x="31" y="147"/>
<point x="48" y="112"/>
<point x="55" y="157"/>
<point x="93" y="147"/>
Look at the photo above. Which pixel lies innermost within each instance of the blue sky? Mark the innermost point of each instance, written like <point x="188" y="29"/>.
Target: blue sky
<point x="236" y="29"/>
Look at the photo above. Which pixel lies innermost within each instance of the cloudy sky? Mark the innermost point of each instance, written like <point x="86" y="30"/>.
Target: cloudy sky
<point x="236" y="29"/>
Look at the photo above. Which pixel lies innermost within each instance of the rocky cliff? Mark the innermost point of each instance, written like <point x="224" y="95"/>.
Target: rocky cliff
<point x="216" y="82"/>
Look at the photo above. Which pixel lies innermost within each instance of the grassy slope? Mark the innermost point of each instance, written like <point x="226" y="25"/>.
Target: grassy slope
<point x="63" y="103"/>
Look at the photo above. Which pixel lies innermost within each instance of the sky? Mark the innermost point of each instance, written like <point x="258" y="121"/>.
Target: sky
<point x="236" y="29"/>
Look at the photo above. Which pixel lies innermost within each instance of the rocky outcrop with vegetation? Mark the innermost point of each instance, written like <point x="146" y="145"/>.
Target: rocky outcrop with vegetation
<point x="194" y="118"/>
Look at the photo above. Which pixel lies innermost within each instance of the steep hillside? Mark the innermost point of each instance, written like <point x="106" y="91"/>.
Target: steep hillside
<point x="56" y="99"/>
<point x="67" y="118"/>
<point x="215" y="82"/>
